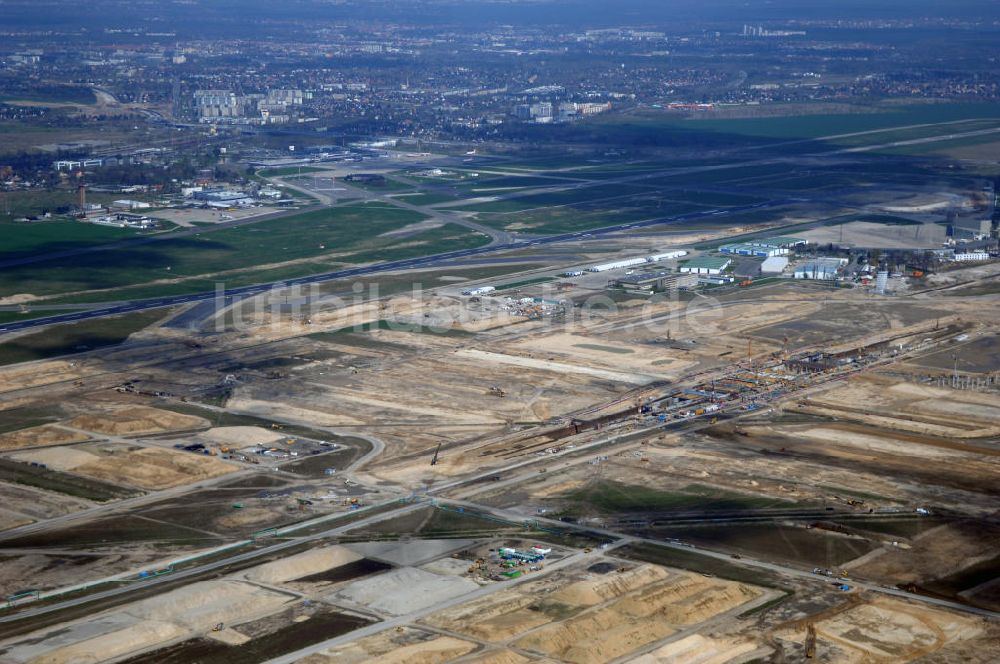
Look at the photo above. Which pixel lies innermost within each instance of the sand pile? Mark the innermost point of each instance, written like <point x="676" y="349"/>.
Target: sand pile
<point x="643" y="616"/>
<point x="202" y="605"/>
<point x="303" y="564"/>
<point x="506" y="625"/>
<point x="896" y="631"/>
<point x="242" y="436"/>
<point x="689" y="602"/>
<point x="697" y="649"/>
<point x="616" y="584"/>
<point x="443" y="649"/>
<point x="496" y="617"/>
<point x="595" y="637"/>
<point x="46" y="434"/>
<point x="137" y="420"/>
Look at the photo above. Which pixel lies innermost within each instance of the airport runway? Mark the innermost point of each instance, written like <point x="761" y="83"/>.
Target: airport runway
<point x="377" y="268"/>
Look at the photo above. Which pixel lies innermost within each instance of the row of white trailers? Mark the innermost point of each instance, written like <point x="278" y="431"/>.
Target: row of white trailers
<point x="632" y="262"/>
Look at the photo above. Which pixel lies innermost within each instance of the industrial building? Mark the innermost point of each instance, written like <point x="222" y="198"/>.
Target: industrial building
<point x="670" y="255"/>
<point x="706" y="265"/>
<point x="632" y="262"/>
<point x="715" y="280"/>
<point x="753" y="250"/>
<point x="482" y="290"/>
<point x="628" y="262"/>
<point x="223" y="198"/>
<point x="971" y="256"/>
<point x="656" y="281"/>
<point x="780" y="241"/>
<point x="820" y="268"/>
<point x="128" y="204"/>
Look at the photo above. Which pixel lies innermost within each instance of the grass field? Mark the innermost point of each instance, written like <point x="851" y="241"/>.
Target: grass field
<point x="310" y="234"/>
<point x="611" y="497"/>
<point x="35" y="202"/>
<point x="27" y="239"/>
<point x="70" y="338"/>
<point x="52" y="94"/>
<point x="445" y="238"/>
<point x="874" y="117"/>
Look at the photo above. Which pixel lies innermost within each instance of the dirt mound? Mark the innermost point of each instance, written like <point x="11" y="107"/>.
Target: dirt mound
<point x="591" y="592"/>
<point x="136" y="420"/>
<point x="46" y="434"/>
<point x="303" y="564"/>
<point x="888" y="630"/>
<point x="153" y="468"/>
<point x="648" y="614"/>
<point x="497" y="617"/>
<point x="242" y="436"/>
<point x="689" y="601"/>
<point x="595" y="637"/>
<point x="202" y="605"/>
<point x="443" y="649"/>
<point x="696" y="649"/>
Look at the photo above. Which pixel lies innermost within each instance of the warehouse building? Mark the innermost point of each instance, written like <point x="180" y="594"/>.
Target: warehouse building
<point x="706" y="265"/>
<point x="821" y="268"/>
<point x="649" y="282"/>
<point x="753" y="250"/>
<point x="780" y="241"/>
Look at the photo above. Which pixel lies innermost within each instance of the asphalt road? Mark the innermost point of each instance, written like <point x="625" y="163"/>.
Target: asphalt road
<point x="388" y="266"/>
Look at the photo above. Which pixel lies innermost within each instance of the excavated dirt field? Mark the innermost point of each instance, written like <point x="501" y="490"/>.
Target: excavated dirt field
<point x="406" y="646"/>
<point x="885" y="630"/>
<point x="147" y="623"/>
<point x="697" y="649"/>
<point x="302" y="565"/>
<point x="585" y="617"/>
<point x="40" y="436"/>
<point x="58" y="569"/>
<point x="142" y="467"/>
<point x="883" y="401"/>
<point x="403" y="590"/>
<point x="24" y="504"/>
<point x="136" y="420"/>
<point x="241" y="436"/>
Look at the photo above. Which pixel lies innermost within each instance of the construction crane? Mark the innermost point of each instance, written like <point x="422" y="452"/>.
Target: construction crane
<point x="434" y="460"/>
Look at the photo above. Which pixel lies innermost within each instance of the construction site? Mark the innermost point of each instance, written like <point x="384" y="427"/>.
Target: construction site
<point x="554" y="471"/>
